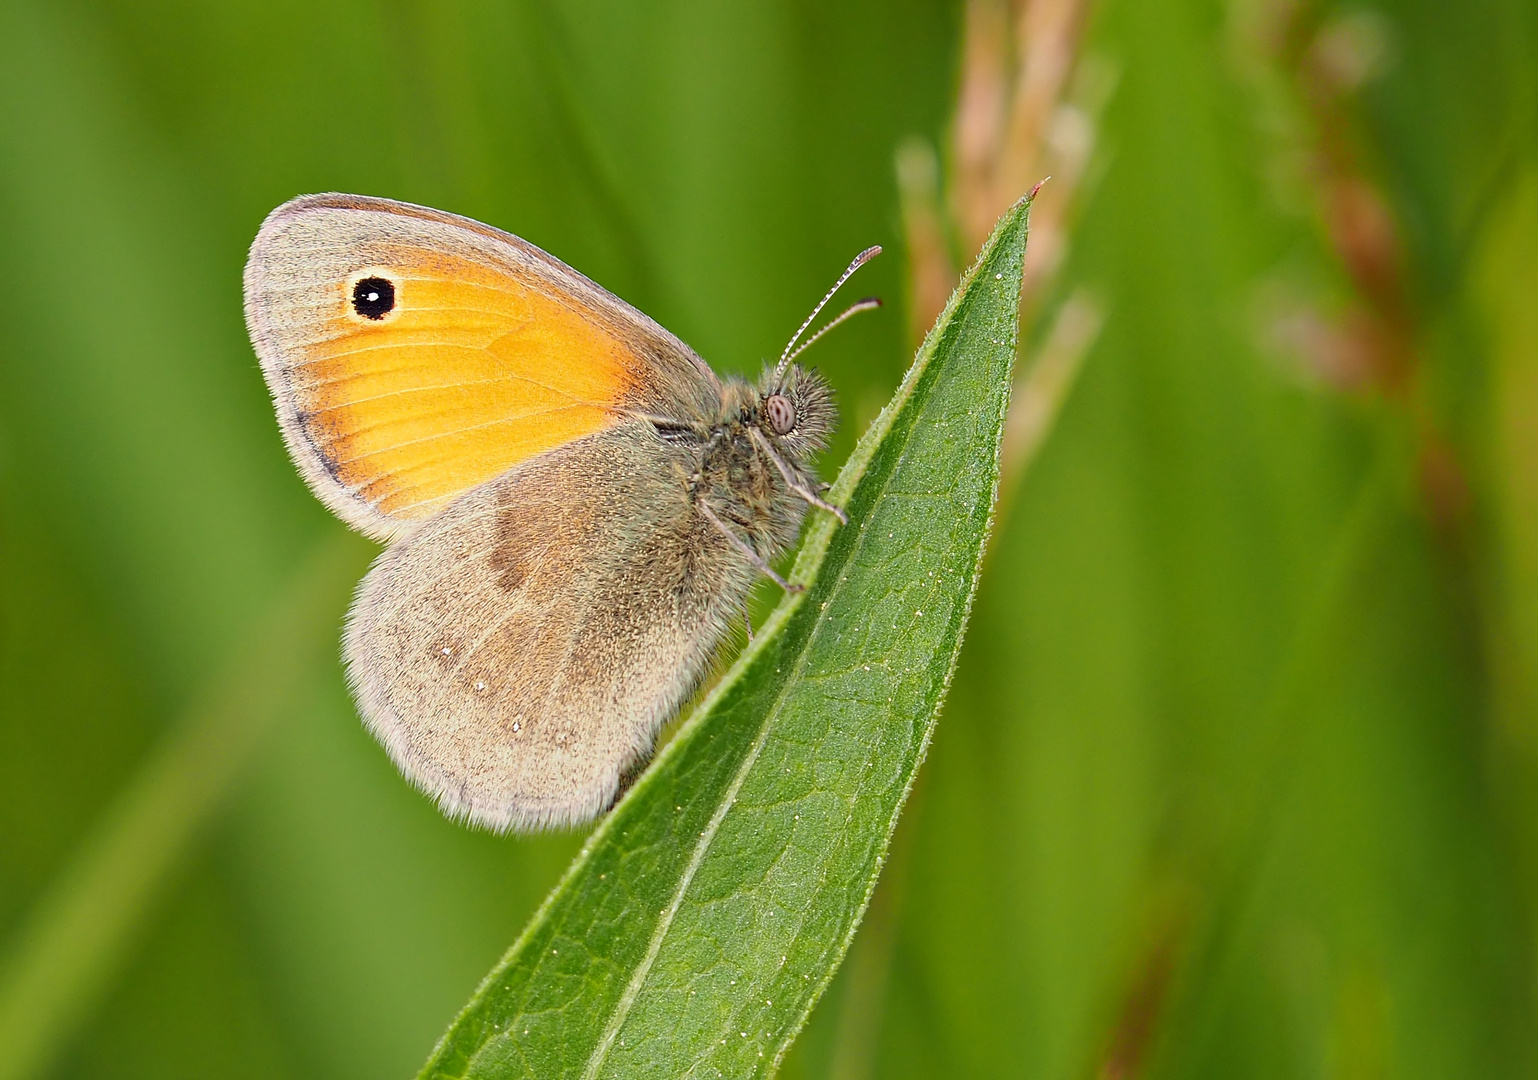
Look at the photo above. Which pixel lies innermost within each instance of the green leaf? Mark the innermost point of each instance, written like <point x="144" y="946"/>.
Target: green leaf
<point x="707" y="913"/>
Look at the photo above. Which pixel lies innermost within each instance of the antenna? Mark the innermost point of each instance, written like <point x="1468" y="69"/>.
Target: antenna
<point x="859" y="260"/>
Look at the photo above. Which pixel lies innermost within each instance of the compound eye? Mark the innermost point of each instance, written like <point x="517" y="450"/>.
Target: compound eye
<point x="781" y="413"/>
<point x="373" y="297"/>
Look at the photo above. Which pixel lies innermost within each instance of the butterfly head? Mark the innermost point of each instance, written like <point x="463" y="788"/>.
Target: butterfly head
<point x="796" y="411"/>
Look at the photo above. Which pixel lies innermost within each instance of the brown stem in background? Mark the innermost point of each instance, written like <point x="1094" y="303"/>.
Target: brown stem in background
<point x="1372" y="345"/>
<point x="1024" y="110"/>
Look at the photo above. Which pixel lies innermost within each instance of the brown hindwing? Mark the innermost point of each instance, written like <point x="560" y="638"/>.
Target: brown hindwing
<point x="519" y="651"/>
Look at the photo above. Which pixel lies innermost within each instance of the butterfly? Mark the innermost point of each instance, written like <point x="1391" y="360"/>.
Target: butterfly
<point x="574" y="505"/>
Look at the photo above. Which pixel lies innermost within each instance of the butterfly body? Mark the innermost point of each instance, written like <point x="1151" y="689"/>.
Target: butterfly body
<point x="575" y="505"/>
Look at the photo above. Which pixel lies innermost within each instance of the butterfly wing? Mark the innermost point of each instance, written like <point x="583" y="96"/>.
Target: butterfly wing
<point x="517" y="653"/>
<point x="413" y="355"/>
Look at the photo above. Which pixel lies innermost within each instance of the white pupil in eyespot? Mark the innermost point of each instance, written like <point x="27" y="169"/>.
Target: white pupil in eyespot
<point x="373" y="297"/>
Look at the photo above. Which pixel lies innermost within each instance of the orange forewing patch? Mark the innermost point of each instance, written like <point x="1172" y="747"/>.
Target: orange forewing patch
<point x="472" y="372"/>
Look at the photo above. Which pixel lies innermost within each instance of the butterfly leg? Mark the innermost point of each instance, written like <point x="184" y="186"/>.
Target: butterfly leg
<point x="741" y="545"/>
<point x="790" y="478"/>
<point x="747" y="620"/>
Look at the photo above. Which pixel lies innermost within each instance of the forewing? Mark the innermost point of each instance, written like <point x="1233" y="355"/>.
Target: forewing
<point x="491" y="353"/>
<point x="517" y="653"/>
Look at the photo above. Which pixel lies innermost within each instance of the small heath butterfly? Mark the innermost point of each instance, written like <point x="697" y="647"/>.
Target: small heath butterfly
<point x="575" y="505"/>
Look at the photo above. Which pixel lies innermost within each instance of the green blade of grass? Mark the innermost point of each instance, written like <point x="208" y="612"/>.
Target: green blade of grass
<point x="83" y="930"/>
<point x="707" y="913"/>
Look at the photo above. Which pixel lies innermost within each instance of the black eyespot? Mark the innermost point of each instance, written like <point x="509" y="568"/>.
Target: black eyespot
<point x="781" y="413"/>
<point x="373" y="297"/>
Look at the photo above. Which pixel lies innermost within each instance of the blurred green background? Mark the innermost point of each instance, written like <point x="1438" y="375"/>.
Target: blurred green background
<point x="1237" y="777"/>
